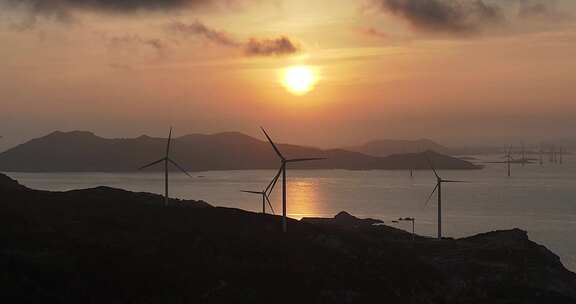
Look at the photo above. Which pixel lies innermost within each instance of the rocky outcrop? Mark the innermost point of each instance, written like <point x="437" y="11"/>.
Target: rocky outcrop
<point x="343" y="218"/>
<point x="9" y="184"/>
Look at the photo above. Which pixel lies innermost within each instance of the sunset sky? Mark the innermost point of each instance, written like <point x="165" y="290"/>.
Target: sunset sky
<point x="459" y="72"/>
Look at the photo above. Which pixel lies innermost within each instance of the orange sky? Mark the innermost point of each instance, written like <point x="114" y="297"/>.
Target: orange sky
<point x="449" y="70"/>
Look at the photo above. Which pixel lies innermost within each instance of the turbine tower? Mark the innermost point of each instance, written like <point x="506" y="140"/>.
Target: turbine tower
<point x="266" y="193"/>
<point x="283" y="162"/>
<point x="509" y="160"/>
<point x="541" y="156"/>
<point x="438" y="189"/>
<point x="523" y="154"/>
<point x="166" y="159"/>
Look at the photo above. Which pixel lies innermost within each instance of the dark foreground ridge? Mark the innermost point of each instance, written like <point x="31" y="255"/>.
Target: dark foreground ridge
<point x="105" y="245"/>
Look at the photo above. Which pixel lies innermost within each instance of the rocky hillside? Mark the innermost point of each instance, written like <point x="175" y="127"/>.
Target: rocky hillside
<point x="105" y="245"/>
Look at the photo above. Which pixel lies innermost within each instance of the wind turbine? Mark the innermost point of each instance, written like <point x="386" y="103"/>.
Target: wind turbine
<point x="509" y="160"/>
<point x="541" y="156"/>
<point x="166" y="159"/>
<point x="283" y="162"/>
<point x="266" y="193"/>
<point x="409" y="153"/>
<point x="438" y="189"/>
<point x="523" y="154"/>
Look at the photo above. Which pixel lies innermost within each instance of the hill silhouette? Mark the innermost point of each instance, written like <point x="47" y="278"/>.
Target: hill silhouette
<point x="80" y="151"/>
<point x="105" y="245"/>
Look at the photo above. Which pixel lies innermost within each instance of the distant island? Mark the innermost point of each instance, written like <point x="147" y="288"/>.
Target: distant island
<point x="106" y="245"/>
<point x="386" y="147"/>
<point x="81" y="151"/>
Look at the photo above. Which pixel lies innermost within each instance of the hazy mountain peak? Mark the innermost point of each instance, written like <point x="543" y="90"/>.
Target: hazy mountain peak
<point x="76" y="133"/>
<point x="385" y="147"/>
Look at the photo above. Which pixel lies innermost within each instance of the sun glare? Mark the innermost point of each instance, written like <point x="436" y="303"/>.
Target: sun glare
<point x="299" y="80"/>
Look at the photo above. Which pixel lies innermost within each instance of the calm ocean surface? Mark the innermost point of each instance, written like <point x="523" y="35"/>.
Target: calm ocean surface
<point x="539" y="199"/>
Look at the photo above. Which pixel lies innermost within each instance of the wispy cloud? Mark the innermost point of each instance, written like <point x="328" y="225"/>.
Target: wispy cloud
<point x="154" y="43"/>
<point x="538" y="9"/>
<point x="199" y="29"/>
<point x="280" y="46"/>
<point x="374" y="32"/>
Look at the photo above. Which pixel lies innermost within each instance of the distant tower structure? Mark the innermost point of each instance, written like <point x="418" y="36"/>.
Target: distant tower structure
<point x="523" y="152"/>
<point x="554" y="155"/>
<point x="541" y="156"/>
<point x="411" y="159"/>
<point x="560" y="153"/>
<point x="509" y="160"/>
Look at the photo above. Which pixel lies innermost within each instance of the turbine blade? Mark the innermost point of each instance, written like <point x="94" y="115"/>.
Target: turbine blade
<point x="432" y="166"/>
<point x="178" y="166"/>
<point x="431" y="194"/>
<point x="152" y="163"/>
<point x="270" y="204"/>
<point x="168" y="143"/>
<point x="272" y="143"/>
<point x="253" y="192"/>
<point x="453" y="181"/>
<point x="303" y="159"/>
<point x="273" y="181"/>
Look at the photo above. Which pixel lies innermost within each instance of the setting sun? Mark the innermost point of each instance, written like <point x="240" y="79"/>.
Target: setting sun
<point x="299" y="80"/>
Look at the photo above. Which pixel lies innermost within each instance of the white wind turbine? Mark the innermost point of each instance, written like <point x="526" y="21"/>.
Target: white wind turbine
<point x="166" y="159"/>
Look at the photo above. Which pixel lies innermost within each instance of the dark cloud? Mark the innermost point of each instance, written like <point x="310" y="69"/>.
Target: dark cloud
<point x="253" y="47"/>
<point x="464" y="16"/>
<point x="113" y="6"/>
<point x="449" y="16"/>
<point x="271" y="47"/>
<point x="32" y="12"/>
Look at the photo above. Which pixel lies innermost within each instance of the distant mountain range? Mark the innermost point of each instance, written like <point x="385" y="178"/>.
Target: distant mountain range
<point x="81" y="151"/>
<point x="387" y="147"/>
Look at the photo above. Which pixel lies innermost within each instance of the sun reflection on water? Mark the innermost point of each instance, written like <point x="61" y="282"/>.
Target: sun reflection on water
<point x="304" y="199"/>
